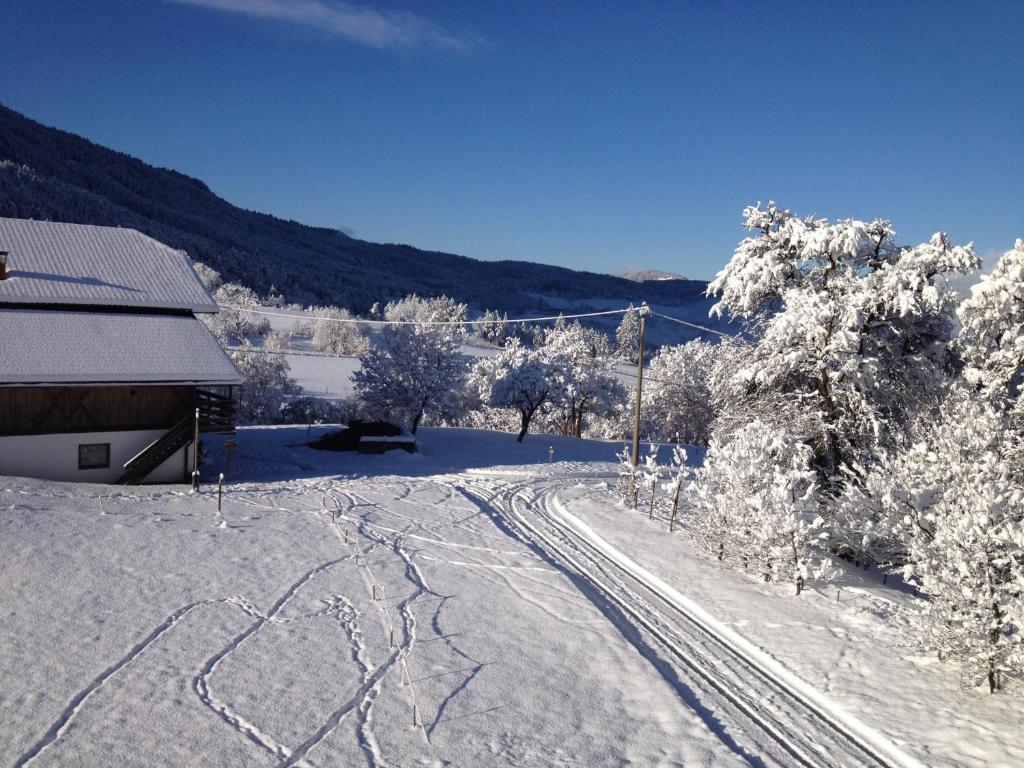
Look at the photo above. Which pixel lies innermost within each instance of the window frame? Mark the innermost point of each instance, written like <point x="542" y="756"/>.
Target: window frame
<point x="106" y="461"/>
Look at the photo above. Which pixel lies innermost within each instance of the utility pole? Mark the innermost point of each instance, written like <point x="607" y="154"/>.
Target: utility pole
<point x="644" y="311"/>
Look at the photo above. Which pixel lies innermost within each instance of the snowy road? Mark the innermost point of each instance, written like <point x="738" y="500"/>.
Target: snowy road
<point x="765" y="714"/>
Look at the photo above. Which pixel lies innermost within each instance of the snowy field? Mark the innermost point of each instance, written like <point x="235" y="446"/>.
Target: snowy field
<point x="329" y="376"/>
<point x="470" y="605"/>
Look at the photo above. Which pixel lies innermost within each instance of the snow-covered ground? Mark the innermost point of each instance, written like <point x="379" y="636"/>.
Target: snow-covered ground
<point x="471" y="605"/>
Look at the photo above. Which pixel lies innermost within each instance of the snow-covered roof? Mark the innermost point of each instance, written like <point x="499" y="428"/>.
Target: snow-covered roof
<point x="45" y="347"/>
<point x="55" y="263"/>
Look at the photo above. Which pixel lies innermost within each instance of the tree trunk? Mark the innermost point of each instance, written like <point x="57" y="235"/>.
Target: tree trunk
<point x="994" y="683"/>
<point x="578" y="421"/>
<point x="416" y="421"/>
<point x="797" y="563"/>
<point x="525" y="417"/>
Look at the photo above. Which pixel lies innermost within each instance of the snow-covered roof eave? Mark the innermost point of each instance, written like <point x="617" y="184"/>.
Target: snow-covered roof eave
<point x="62" y="347"/>
<point x="142" y="382"/>
<point x="65" y="303"/>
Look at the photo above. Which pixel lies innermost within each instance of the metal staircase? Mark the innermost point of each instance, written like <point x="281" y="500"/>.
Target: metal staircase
<point x="137" y="468"/>
<point x="216" y="416"/>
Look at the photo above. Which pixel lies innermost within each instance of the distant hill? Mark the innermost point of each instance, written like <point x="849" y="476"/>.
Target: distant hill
<point x="46" y="173"/>
<point x="649" y="275"/>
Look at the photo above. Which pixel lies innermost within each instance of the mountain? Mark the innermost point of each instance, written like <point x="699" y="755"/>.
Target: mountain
<point x="649" y="275"/>
<point x="47" y="173"/>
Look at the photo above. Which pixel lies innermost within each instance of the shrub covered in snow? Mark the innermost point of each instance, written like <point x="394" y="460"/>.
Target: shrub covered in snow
<point x="627" y="487"/>
<point x="755" y="505"/>
<point x="316" y="410"/>
<point x="674" y="487"/>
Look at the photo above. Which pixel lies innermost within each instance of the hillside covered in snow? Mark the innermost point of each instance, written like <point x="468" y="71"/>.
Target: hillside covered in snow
<point x="49" y="174"/>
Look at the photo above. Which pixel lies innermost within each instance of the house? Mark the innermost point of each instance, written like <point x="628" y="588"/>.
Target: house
<point x="103" y="362"/>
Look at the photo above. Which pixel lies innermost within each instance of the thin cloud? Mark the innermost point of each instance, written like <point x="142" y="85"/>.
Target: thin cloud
<point x="365" y="26"/>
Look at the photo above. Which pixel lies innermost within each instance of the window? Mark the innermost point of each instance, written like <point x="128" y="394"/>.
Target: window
<point x="94" y="455"/>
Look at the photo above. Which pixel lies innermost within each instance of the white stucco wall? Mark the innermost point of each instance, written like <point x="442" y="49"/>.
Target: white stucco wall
<point x="55" y="457"/>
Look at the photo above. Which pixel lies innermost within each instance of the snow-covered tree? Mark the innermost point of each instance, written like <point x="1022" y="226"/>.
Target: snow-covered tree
<point x="677" y="393"/>
<point x="334" y="332"/>
<point x="275" y="341"/>
<point x="589" y="382"/>
<point x="494" y="327"/>
<point x="266" y="385"/>
<point x="414" y="368"/>
<point x="525" y="380"/>
<point x="438" y="310"/>
<point x="210" y="277"/>
<point x="958" y="507"/>
<point x="991" y="338"/>
<point x="849" y="327"/>
<point x="755" y="505"/>
<point x="274" y="297"/>
<point x="232" y="324"/>
<point x="627" y="336"/>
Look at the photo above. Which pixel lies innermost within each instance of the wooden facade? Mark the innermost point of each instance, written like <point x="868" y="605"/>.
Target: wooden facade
<point x="44" y="410"/>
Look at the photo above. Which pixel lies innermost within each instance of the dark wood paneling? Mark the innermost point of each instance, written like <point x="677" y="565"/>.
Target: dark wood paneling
<point x="43" y="410"/>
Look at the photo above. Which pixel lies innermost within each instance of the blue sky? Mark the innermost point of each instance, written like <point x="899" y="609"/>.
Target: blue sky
<point x="593" y="135"/>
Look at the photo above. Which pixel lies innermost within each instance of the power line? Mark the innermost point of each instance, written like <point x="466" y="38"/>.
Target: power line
<point x="296" y="352"/>
<point x="481" y="321"/>
<point x="361" y="321"/>
<point x="694" y="325"/>
<point x="335" y="355"/>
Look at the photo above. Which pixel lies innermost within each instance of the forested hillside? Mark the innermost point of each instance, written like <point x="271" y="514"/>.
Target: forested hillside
<point x="50" y="174"/>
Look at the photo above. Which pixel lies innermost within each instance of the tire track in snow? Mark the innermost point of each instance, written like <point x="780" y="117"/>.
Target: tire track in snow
<point x="755" y="661"/>
<point x="545" y="529"/>
<point x="502" y="502"/>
